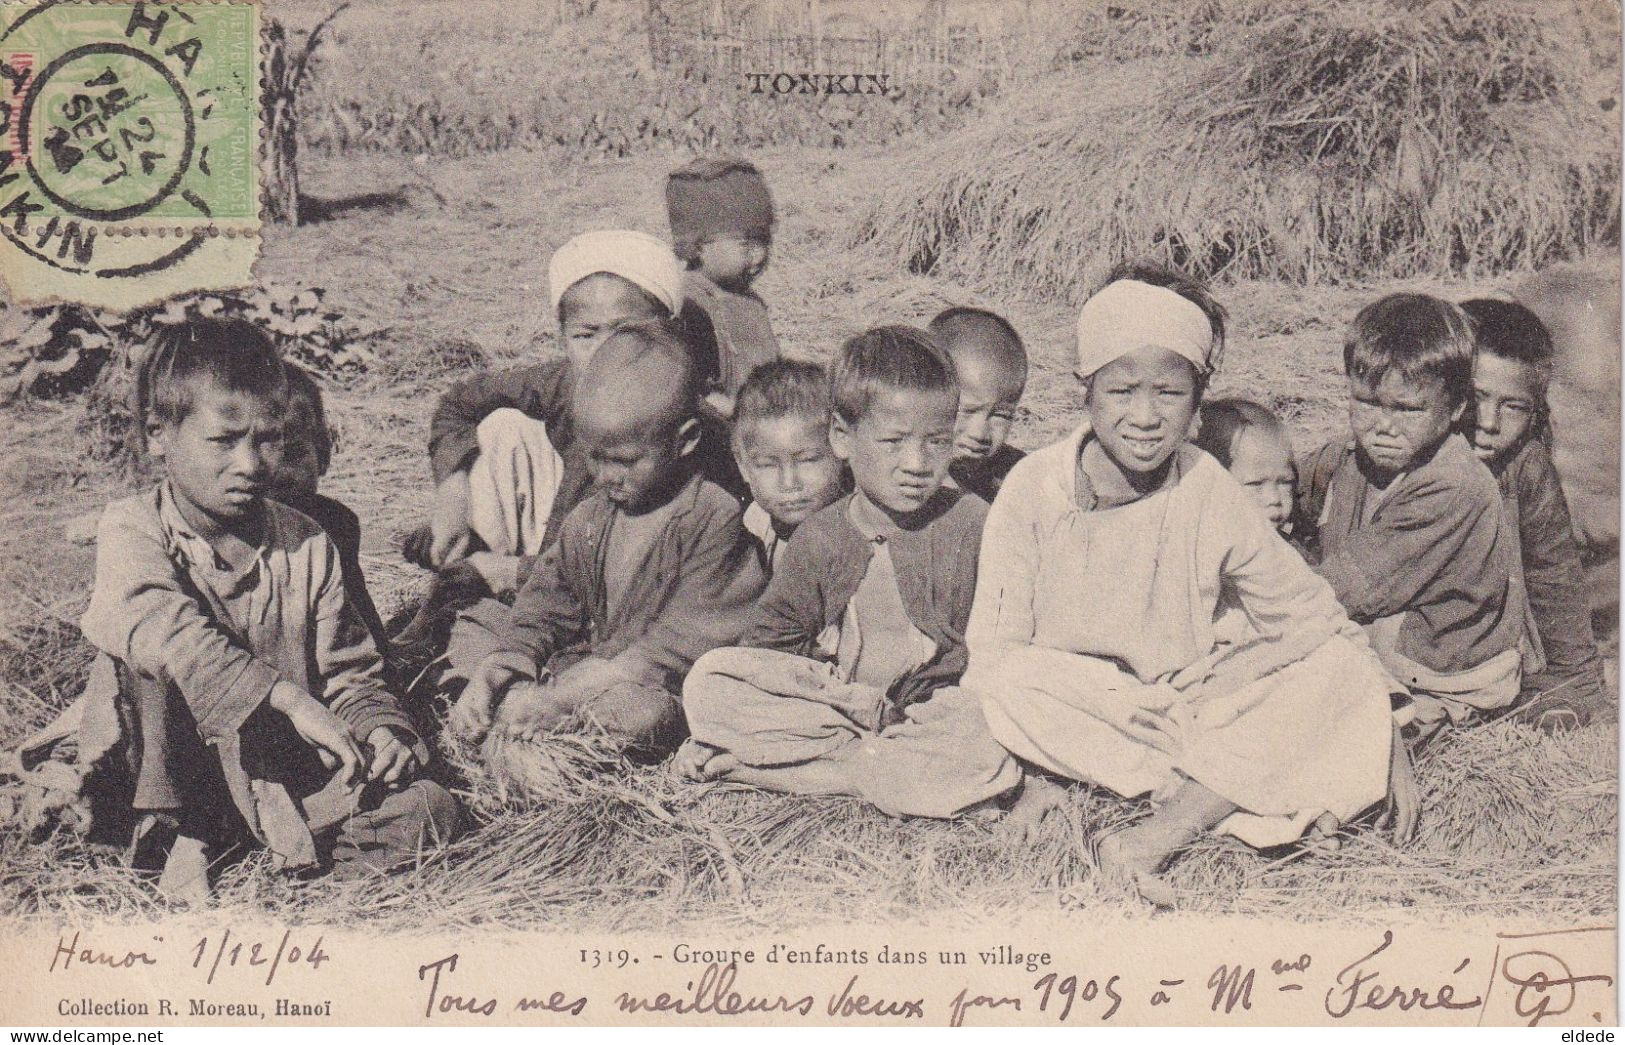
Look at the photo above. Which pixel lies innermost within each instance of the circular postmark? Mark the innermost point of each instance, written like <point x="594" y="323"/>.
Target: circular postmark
<point x="118" y="135"/>
<point x="129" y="144"/>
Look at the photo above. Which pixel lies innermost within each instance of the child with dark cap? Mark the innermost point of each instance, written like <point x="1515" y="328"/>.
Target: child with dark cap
<point x="721" y="217"/>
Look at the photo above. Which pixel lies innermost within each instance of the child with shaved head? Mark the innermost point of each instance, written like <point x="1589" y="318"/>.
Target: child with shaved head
<point x="992" y="366"/>
<point x="650" y="571"/>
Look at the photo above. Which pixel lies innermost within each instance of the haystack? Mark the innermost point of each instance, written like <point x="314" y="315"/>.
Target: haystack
<point x="1283" y="140"/>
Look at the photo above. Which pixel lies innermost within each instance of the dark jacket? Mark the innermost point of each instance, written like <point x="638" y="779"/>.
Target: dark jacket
<point x="819" y="571"/>
<point x="1438" y="550"/>
<point x="1552" y="573"/>
<point x="692" y="593"/>
<point x="344" y="528"/>
<point x="985" y="476"/>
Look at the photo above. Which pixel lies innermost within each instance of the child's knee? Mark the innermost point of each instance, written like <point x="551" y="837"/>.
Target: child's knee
<point x="503" y="429"/>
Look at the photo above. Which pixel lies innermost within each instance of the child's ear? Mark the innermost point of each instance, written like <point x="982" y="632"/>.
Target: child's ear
<point x="840" y="437"/>
<point x="687" y="437"/>
<point x="157" y="438"/>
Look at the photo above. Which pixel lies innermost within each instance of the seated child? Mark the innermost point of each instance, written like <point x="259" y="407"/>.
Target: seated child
<point x="721" y="216"/>
<point x="1256" y="449"/>
<point x="1512" y="435"/>
<point x="1107" y="562"/>
<point x="506" y="465"/>
<point x="244" y="675"/>
<point x="781" y="441"/>
<point x="1412" y="533"/>
<point x="307" y="448"/>
<point x="649" y="572"/>
<point x="846" y="682"/>
<point x="992" y="366"/>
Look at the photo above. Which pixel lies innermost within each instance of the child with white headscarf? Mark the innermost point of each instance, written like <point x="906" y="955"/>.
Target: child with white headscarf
<point x="1139" y="625"/>
<point x="502" y="444"/>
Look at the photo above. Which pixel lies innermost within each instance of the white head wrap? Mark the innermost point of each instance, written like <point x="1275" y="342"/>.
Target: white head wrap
<point x="1127" y="315"/>
<point x="635" y="256"/>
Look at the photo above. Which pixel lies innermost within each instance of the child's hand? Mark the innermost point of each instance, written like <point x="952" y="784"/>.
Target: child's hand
<point x="448" y="527"/>
<point x="320" y="728"/>
<point x="1404" y="807"/>
<point x="392" y="759"/>
<point x="471" y="716"/>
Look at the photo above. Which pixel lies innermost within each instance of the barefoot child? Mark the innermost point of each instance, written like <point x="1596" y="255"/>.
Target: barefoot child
<point x="846" y="682"/>
<point x="649" y="572"/>
<point x="307" y="448"/>
<point x="721" y="216"/>
<point x="251" y="687"/>
<point x="1512" y="435"/>
<point x="1107" y="561"/>
<point x="781" y="441"/>
<point x="992" y="366"/>
<point x="1413" y="535"/>
<point x="1255" y="448"/>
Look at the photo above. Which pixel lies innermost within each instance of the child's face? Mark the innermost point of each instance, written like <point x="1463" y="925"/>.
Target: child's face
<point x="1508" y="395"/>
<point x="1262" y="464"/>
<point x="222" y="456"/>
<point x="1398" y="423"/>
<point x="788" y="462"/>
<point x="1141" y="406"/>
<point x="988" y="396"/>
<point x="733" y="262"/>
<point x="300" y="470"/>
<point x="635" y="466"/>
<point x="900" y="450"/>
<point x="591" y="309"/>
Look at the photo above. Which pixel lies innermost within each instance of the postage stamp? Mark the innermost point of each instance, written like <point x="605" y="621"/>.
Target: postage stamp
<point x="129" y="162"/>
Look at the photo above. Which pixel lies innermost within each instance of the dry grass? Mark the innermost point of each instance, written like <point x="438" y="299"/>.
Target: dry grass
<point x="1267" y="139"/>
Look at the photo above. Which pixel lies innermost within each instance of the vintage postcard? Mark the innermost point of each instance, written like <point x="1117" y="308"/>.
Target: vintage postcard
<point x="807" y="512"/>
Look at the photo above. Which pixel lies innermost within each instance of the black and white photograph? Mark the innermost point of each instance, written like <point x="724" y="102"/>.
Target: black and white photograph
<point x="809" y="512"/>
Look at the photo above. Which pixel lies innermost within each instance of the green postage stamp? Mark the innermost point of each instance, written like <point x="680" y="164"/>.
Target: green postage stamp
<point x="129" y="149"/>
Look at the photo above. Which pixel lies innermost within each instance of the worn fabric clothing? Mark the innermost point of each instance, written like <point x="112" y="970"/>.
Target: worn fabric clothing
<point x="769" y="535"/>
<point x="984" y="476"/>
<point x="774" y="709"/>
<point x="342" y="525"/>
<point x="1435" y="548"/>
<point x="1185" y="601"/>
<point x="199" y="646"/>
<point x="690" y="592"/>
<point x="877" y="643"/>
<point x="525" y="470"/>
<point x="730" y="333"/>
<point x="819" y="573"/>
<point x="514" y="482"/>
<point x="1554" y="579"/>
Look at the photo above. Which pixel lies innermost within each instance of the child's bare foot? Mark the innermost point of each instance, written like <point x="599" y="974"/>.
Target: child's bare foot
<point x="702" y="763"/>
<point x="1323" y="836"/>
<point x="1132" y="859"/>
<point x="1038" y="799"/>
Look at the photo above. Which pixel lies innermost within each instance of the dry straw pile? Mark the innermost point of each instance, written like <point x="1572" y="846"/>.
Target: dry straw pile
<point x="1281" y="139"/>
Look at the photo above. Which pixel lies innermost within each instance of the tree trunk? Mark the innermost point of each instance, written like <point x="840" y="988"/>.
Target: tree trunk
<point x="282" y="129"/>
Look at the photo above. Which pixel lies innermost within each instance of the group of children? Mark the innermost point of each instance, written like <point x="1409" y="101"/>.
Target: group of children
<point x="846" y="582"/>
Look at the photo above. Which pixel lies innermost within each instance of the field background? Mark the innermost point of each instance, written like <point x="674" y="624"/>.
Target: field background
<point x="448" y="149"/>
